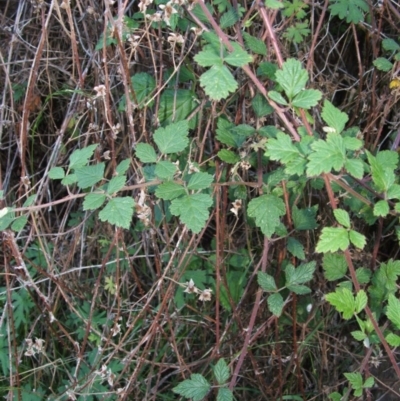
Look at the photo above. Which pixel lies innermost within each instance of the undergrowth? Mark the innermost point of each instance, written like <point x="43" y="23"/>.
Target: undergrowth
<point x="199" y="200"/>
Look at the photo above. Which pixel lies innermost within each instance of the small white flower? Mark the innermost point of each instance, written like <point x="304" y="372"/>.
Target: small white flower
<point x="190" y="287"/>
<point x="205" y="295"/>
<point x="100" y="91"/>
<point x="168" y="10"/>
<point x="175" y="38"/>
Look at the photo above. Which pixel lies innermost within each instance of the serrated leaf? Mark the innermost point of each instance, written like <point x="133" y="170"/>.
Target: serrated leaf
<point x="343" y="300"/>
<point x="200" y="181"/>
<point x="224" y="394"/>
<point x="89" y="175"/>
<point x="342" y="217"/>
<point x="327" y="155"/>
<point x="332" y="239"/>
<point x="381" y="208"/>
<point x="239" y="57"/>
<point x="123" y="166"/>
<point x="266" y="282"/>
<point x="292" y="77"/>
<point x="165" y="170"/>
<point x="298" y="32"/>
<point x="145" y="153"/>
<point x="266" y="210"/>
<point x="80" y="157"/>
<point x="93" y="201"/>
<point x="351" y="143"/>
<point x="277" y="97"/>
<point x="299" y="289"/>
<point x="354" y="167"/>
<point x="352" y="10"/>
<point x="274" y="4"/>
<point x="56" y="173"/>
<point x="176" y="105"/>
<point x="334" y="117"/>
<point x="173" y="138"/>
<point x="115" y="184"/>
<point x="388" y="159"/>
<point x="295" y="248"/>
<point x="19" y="223"/>
<point x="282" y="148"/>
<point x="360" y="301"/>
<point x="359" y="335"/>
<point x="192" y="210"/>
<point x="382" y="176"/>
<point x="267" y="70"/>
<point x="229" y="18"/>
<point x="393" y="310"/>
<point x="355" y="380"/>
<point x="335" y="266"/>
<point x="221" y="371"/>
<point x="393" y="340"/>
<point x="254" y="44"/>
<point x="299" y="275"/>
<point x="218" y="82"/>
<point x="363" y="275"/>
<point x="30" y="200"/>
<point x="393" y="192"/>
<point x="261" y="106"/>
<point x="305" y="219"/>
<point x="228" y="156"/>
<point x="390" y="45"/>
<point x="69" y="179"/>
<point x="170" y="190"/>
<point x="383" y="64"/>
<point x="275" y="304"/>
<point x="118" y="211"/>
<point x="195" y="388"/>
<point x="307" y="98"/>
<point x="143" y="85"/>
<point x="208" y="58"/>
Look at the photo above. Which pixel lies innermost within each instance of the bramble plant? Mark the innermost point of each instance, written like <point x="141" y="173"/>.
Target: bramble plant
<point x="221" y="186"/>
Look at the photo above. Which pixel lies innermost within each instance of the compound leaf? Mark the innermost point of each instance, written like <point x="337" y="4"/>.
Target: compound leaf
<point x="118" y="211"/>
<point x="292" y="77"/>
<point x="93" y="201"/>
<point x="173" y="138"/>
<point x="89" y="175"/>
<point x="170" y="190"/>
<point x="221" y="371"/>
<point x="145" y="153"/>
<point x="80" y="157"/>
<point x="218" y="82"/>
<point x="332" y="239"/>
<point x="266" y="282"/>
<point x="200" y="181"/>
<point x="195" y="388"/>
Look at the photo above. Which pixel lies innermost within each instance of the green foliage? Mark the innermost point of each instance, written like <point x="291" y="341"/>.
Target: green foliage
<point x="351" y="10"/>
<point x="344" y="301"/>
<point x="358" y="384"/>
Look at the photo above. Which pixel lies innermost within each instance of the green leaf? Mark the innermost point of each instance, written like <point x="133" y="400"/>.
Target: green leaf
<point x="295" y="248"/>
<point x="363" y="275"/>
<point x="355" y="167"/>
<point x="334" y="117"/>
<point x="390" y="45"/>
<point x="195" y="388"/>
<point x="192" y="210"/>
<point x="239" y="57"/>
<point x="388" y="159"/>
<point x="118" y="211"/>
<point x="393" y="192"/>
<point x="342" y="217"/>
<point x="209" y="57"/>
<point x="221" y="371"/>
<point x="170" y="190"/>
<point x="277" y="97"/>
<point x="145" y="153"/>
<point x="69" y="179"/>
<point x="89" y="175"/>
<point x="218" y="82"/>
<point x="266" y="282"/>
<point x="176" y="105"/>
<point x="393" y="340"/>
<point x="299" y="275"/>
<point x="393" y="311"/>
<point x="292" y="77"/>
<point x="266" y="210"/>
<point x="80" y="157"/>
<point x="228" y="156"/>
<point x="261" y="106"/>
<point x="381" y="208"/>
<point x="383" y="64"/>
<point x="334" y="265"/>
<point x="200" y="181"/>
<point x="307" y="98"/>
<point x="115" y="184"/>
<point x="93" y="201"/>
<point x="274" y="4"/>
<point x="298" y="32"/>
<point x="123" y="166"/>
<point x="360" y="301"/>
<point x="267" y="70"/>
<point x="382" y="176"/>
<point x="351" y="143"/>
<point x="19" y="223"/>
<point x="343" y="300"/>
<point x="143" y="85"/>
<point x="352" y="10"/>
<point x="257" y="46"/>
<point x="305" y="219"/>
<point x="228" y="19"/>
<point x="165" y="170"/>
<point x="56" y="173"/>
<point x="295" y="8"/>
<point x="173" y="138"/>
<point x="275" y="304"/>
<point x="327" y="155"/>
<point x="30" y="200"/>
<point x="332" y="239"/>
<point x="359" y="335"/>
<point x="22" y="305"/>
<point x="299" y="289"/>
<point x="355" y="380"/>
<point x="224" y="394"/>
<point x="282" y="149"/>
